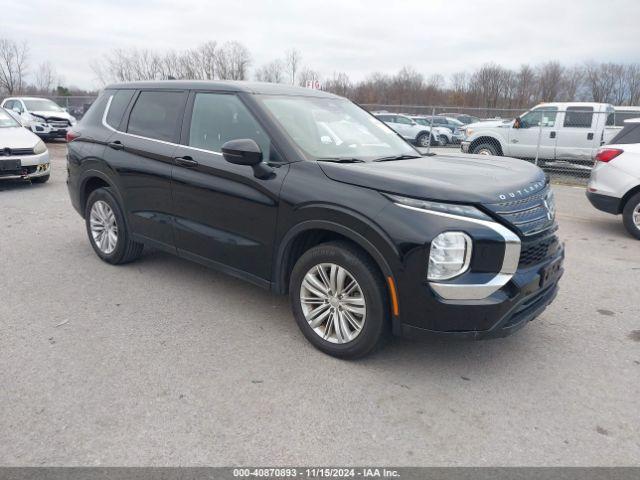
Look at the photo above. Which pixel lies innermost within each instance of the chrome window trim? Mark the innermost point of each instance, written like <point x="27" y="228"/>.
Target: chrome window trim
<point x="478" y="291"/>
<point x="105" y="124"/>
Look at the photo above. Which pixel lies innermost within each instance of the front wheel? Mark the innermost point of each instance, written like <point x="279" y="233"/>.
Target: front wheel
<point x="339" y="300"/>
<point x="423" y="140"/>
<point x="485" y="149"/>
<point x="107" y="229"/>
<point x="631" y="216"/>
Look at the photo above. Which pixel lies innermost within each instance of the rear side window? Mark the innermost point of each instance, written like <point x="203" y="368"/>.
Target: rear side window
<point x="578" y="117"/>
<point x="119" y="104"/>
<point x="629" y="134"/>
<point x="157" y="115"/>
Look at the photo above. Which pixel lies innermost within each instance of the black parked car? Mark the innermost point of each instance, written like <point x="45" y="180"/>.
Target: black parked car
<point x="301" y="191"/>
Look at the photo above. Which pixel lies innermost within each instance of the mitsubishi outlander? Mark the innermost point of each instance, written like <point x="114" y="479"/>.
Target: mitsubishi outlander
<point x="303" y="192"/>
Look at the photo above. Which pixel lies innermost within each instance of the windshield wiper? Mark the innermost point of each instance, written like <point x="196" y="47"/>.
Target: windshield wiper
<point x="341" y="160"/>
<point x="396" y="157"/>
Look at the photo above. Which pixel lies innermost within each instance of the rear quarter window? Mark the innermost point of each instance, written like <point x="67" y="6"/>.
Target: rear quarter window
<point x="629" y="134"/>
<point x="119" y="104"/>
<point x="157" y="115"/>
<point x="96" y="110"/>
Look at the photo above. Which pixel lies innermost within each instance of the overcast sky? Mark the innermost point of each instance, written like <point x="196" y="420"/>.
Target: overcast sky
<point x="354" y="36"/>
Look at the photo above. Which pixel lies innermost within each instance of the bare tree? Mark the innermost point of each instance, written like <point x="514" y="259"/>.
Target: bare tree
<point x="232" y="61"/>
<point x="13" y="65"/>
<point x="292" y="60"/>
<point x="549" y="79"/>
<point x="632" y="77"/>
<point x="271" y="72"/>
<point x="308" y="77"/>
<point x="339" y="84"/>
<point x="45" y="78"/>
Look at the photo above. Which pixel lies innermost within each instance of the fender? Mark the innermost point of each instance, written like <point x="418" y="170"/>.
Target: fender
<point x="476" y="138"/>
<point x="108" y="179"/>
<point x="280" y="266"/>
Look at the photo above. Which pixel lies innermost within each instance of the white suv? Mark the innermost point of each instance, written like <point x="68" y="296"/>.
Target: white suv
<point x="614" y="186"/>
<point x="408" y="128"/>
<point x="42" y="116"/>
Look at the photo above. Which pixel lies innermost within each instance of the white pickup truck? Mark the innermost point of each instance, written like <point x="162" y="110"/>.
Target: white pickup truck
<point x="564" y="131"/>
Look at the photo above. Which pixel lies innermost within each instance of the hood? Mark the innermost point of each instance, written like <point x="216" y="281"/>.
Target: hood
<point x="49" y="114"/>
<point x="468" y="179"/>
<point x="488" y="124"/>
<point x="17" y="137"/>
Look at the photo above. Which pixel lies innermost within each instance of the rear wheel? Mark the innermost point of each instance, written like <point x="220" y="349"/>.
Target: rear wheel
<point x="339" y="300"/>
<point x="107" y="229"/>
<point x="631" y="215"/>
<point x="485" y="149"/>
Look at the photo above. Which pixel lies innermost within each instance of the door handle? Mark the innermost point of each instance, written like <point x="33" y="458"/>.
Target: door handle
<point x="117" y="145"/>
<point x="552" y="135"/>
<point x="590" y="136"/>
<point x="186" y="162"/>
<point x="514" y="140"/>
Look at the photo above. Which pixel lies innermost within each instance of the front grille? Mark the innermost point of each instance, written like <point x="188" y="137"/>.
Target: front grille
<point x="59" y="123"/>
<point x="15" y="152"/>
<point x="530" y="215"/>
<point x="535" y="251"/>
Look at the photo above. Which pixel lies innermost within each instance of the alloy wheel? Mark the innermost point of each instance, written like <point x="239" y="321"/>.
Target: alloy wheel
<point x="104" y="229"/>
<point x="333" y="303"/>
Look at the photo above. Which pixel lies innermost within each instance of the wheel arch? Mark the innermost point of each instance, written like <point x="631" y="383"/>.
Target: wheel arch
<point x="92" y="180"/>
<point x="626" y="197"/>
<point x="309" y="233"/>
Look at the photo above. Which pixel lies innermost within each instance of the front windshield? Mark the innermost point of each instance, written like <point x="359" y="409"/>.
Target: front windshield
<point x="334" y="128"/>
<point x="42" y="105"/>
<point x="7" y="120"/>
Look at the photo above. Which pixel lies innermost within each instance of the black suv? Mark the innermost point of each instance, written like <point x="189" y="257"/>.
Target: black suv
<point x="304" y="192"/>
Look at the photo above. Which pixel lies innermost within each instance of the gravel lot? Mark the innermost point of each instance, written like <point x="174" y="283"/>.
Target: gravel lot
<point x="163" y="362"/>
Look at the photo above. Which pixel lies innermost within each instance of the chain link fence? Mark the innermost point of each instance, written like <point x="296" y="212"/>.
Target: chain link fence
<point x="563" y="139"/>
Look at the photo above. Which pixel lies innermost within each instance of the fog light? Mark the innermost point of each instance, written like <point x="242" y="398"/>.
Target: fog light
<point x="449" y="256"/>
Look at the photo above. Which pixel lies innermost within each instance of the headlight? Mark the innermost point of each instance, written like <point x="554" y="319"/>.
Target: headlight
<point x="36" y="120"/>
<point x="468" y="131"/>
<point x="39" y="148"/>
<point x="449" y="256"/>
<point x="73" y="120"/>
<point x="449" y="208"/>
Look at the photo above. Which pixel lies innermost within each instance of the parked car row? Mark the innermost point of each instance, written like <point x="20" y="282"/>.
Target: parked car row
<point x="22" y="154"/>
<point x="42" y="116"/>
<point x="423" y="130"/>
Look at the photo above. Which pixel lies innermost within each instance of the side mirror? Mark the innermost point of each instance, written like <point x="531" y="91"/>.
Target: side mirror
<point x="245" y="151"/>
<point x="517" y="123"/>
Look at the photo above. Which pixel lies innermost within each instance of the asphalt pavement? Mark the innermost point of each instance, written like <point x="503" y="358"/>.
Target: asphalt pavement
<point x="164" y="362"/>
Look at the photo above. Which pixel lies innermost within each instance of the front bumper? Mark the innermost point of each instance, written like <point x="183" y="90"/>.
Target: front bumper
<point x="47" y="131"/>
<point x="31" y="166"/>
<point x="507" y="310"/>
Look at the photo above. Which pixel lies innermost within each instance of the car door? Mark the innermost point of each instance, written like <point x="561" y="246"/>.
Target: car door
<point x="141" y="151"/>
<point x="224" y="215"/>
<point x="577" y="138"/>
<point x="536" y="126"/>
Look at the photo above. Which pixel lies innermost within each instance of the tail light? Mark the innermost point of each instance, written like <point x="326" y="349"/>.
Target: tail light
<point x="607" y="154"/>
<point x="71" y="135"/>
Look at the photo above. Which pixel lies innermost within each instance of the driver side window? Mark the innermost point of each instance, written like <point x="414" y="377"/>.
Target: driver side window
<point x="539" y="117"/>
<point x="218" y="118"/>
<point x="403" y="120"/>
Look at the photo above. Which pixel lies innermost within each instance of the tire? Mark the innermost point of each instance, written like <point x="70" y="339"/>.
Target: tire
<point x="370" y="288"/>
<point x="42" y="179"/>
<point x="123" y="249"/>
<point x="485" y="149"/>
<point x="443" y="140"/>
<point x="631" y="210"/>
<point x="422" y="140"/>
